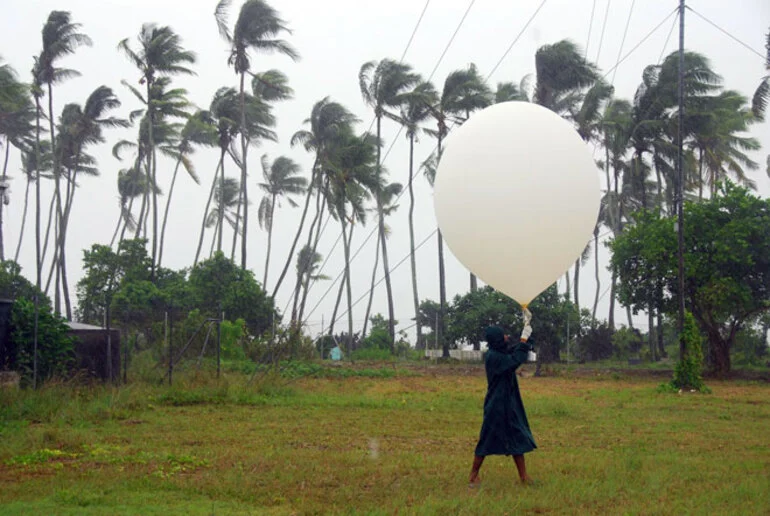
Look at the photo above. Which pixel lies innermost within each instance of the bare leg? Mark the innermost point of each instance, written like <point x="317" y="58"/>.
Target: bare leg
<point x="477" y="462"/>
<point x="519" y="460"/>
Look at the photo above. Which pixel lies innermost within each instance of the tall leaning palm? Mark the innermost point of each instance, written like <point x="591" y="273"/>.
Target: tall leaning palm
<point x="762" y="94"/>
<point x="82" y="127"/>
<point x="384" y="85"/>
<point x="160" y="54"/>
<point x="61" y="37"/>
<point x="328" y="120"/>
<point x="281" y="180"/>
<point x="414" y="112"/>
<point x="257" y="27"/>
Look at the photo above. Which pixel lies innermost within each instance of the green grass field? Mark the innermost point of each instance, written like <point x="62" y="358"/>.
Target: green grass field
<point x="381" y="441"/>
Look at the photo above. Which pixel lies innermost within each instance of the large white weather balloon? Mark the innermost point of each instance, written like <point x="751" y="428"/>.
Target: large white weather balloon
<point x="517" y="197"/>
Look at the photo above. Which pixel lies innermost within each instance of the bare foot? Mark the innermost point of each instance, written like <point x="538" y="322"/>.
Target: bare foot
<point x="528" y="481"/>
<point x="474" y="481"/>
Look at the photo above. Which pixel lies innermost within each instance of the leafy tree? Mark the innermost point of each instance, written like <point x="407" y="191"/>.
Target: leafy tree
<point x="104" y="271"/>
<point x="762" y="93"/>
<point x="727" y="265"/>
<point x="218" y="285"/>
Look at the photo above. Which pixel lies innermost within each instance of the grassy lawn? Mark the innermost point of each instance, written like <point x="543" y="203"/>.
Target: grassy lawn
<point x="396" y="440"/>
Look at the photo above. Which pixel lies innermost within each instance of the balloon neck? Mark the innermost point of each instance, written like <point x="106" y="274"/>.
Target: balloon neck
<point x="524" y="306"/>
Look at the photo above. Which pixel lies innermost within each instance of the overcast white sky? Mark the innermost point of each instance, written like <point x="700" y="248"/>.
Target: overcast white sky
<point x="335" y="38"/>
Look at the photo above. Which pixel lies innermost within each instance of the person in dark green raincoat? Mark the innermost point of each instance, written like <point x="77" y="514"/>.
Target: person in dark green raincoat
<point x="505" y="429"/>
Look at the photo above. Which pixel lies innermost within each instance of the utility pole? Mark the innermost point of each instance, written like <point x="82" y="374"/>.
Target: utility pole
<point x="680" y="182"/>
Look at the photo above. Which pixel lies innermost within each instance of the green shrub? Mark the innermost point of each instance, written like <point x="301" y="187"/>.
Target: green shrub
<point x="55" y="350"/>
<point x="688" y="371"/>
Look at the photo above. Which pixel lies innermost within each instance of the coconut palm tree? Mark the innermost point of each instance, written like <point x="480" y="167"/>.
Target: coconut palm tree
<point x="256" y="29"/>
<point x="762" y="94"/>
<point x="464" y="91"/>
<point x="384" y="86"/>
<point x="16" y="125"/>
<point x="386" y="195"/>
<point x="415" y="111"/>
<point x="280" y="181"/>
<point x="327" y="121"/>
<point x="160" y="54"/>
<point x="60" y="38"/>
<point x="224" y="209"/>
<point x="352" y="172"/>
<point x="198" y="130"/>
<point x="80" y="128"/>
<point x="716" y="137"/>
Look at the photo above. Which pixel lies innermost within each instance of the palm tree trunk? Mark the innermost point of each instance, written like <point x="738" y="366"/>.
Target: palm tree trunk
<point x="269" y="242"/>
<point x="348" y="290"/>
<point x="577" y="283"/>
<point x="388" y="287"/>
<point x="237" y="227"/>
<point x="165" y="212"/>
<point x="568" y="283"/>
<point x="441" y="273"/>
<point x="125" y="222"/>
<point x="385" y="265"/>
<point x="151" y="174"/>
<point x="38" y="258"/>
<point x="629" y="318"/>
<point x="55" y="260"/>
<point x="48" y="227"/>
<point x="23" y="222"/>
<point x="2" y="204"/>
<point x="244" y="175"/>
<point x="299" y="230"/>
<point x="651" y="330"/>
<point x="57" y="184"/>
<point x="63" y="237"/>
<point x="221" y="217"/>
<point x="306" y="287"/>
<point x="206" y="211"/>
<point x="611" y="315"/>
<point x="214" y="237"/>
<point x="596" y="272"/>
<point x="412" y="258"/>
<point x="371" y="290"/>
<point x="343" y="283"/>
<point x="315" y="226"/>
<point x="442" y="298"/>
<point x="700" y="174"/>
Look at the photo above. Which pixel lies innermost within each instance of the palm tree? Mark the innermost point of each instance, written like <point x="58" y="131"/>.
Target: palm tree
<point x="464" y="91"/>
<point x="327" y="121"/>
<point x="198" y="130"/>
<point x="160" y="54"/>
<point x="224" y="210"/>
<point x="81" y="127"/>
<point x="385" y="194"/>
<point x="415" y="111"/>
<point x="16" y="115"/>
<point x="60" y="38"/>
<point x="256" y="28"/>
<point x="352" y="172"/>
<point x="385" y="85"/>
<point x="588" y="122"/>
<point x="716" y="138"/>
<point x="762" y="94"/>
<point x="281" y="181"/>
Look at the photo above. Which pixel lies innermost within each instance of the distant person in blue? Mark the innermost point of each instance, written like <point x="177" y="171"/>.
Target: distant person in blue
<point x="505" y="429"/>
<point x="335" y="353"/>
